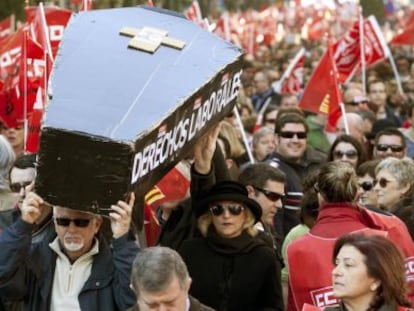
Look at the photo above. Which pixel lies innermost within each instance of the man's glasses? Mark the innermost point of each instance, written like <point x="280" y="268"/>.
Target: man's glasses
<point x="350" y="154"/>
<point x="367" y="185"/>
<point x="272" y="196"/>
<point x="79" y="222"/>
<point x="219" y="209"/>
<point x="394" y="148"/>
<point x="288" y="134"/>
<point x="17" y="187"/>
<point x="358" y="100"/>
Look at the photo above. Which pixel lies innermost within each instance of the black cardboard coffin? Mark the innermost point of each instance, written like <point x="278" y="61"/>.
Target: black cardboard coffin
<point x="121" y="115"/>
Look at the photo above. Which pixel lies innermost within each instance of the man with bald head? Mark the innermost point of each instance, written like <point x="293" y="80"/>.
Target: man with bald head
<point x="355" y="126"/>
<point x="354" y="100"/>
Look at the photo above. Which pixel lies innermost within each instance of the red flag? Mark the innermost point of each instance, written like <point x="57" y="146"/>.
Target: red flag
<point x="152" y="227"/>
<point x="87" y="5"/>
<point x="316" y="26"/>
<point x="6" y="27"/>
<point x="20" y="58"/>
<point x="48" y="25"/>
<point x="321" y="94"/>
<point x="34" y="121"/>
<point x="222" y="28"/>
<point x="410" y="19"/>
<point x="406" y="37"/>
<point x="347" y="53"/>
<point x="292" y="79"/>
<point x="375" y="47"/>
<point x="150" y="3"/>
<point x="173" y="186"/>
<point x="10" y="61"/>
<point x="193" y="12"/>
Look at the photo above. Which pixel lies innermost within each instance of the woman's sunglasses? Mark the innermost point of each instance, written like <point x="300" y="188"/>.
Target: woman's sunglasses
<point x="350" y="154"/>
<point x="219" y="209"/>
<point x="367" y="185"/>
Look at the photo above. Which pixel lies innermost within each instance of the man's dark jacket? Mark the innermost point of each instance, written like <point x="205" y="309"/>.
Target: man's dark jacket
<point x="27" y="273"/>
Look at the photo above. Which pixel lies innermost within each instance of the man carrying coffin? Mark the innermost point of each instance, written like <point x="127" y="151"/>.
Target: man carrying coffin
<point x="76" y="269"/>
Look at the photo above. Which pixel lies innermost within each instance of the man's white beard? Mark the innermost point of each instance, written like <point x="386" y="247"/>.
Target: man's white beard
<point x="72" y="246"/>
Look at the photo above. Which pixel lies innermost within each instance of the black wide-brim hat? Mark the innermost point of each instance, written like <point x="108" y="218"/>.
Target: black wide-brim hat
<point x="227" y="191"/>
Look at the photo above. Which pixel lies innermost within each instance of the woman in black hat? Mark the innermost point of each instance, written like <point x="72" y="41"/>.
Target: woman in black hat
<point x="231" y="269"/>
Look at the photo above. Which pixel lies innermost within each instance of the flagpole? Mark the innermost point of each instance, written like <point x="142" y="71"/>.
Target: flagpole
<point x="362" y="49"/>
<point x="25" y="127"/>
<point x="244" y="137"/>
<point x="289" y="68"/>
<point x="338" y="95"/>
<point x="46" y="32"/>
<point x="387" y="52"/>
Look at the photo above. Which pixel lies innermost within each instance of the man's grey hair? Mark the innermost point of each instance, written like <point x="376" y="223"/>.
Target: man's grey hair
<point x="7" y="158"/>
<point x="155" y="267"/>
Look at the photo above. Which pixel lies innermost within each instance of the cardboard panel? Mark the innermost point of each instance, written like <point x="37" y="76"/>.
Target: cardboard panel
<point x="120" y="117"/>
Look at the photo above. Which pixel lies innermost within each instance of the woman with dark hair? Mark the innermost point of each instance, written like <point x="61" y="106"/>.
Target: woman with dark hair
<point x="339" y="214"/>
<point x="369" y="274"/>
<point x="231" y="269"/>
<point x="347" y="149"/>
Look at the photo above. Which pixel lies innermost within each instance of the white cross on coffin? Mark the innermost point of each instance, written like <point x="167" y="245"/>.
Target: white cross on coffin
<point x="149" y="39"/>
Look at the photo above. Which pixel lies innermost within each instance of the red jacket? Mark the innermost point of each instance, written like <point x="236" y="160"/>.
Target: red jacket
<point x="310" y="257"/>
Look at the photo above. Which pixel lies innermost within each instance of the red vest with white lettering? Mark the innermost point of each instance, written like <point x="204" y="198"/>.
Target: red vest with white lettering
<point x="310" y="257"/>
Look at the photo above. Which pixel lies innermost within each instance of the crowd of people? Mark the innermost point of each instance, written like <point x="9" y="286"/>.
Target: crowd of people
<point x="281" y="214"/>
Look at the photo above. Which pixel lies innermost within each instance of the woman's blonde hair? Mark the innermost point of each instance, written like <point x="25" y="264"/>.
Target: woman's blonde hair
<point x="204" y="222"/>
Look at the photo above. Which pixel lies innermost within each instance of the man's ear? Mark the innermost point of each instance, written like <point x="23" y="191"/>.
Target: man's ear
<point x="250" y="191"/>
<point x="188" y="284"/>
<point x="98" y="223"/>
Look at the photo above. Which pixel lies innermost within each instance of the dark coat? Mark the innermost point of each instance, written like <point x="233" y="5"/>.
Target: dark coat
<point x="27" y="274"/>
<point x="243" y="281"/>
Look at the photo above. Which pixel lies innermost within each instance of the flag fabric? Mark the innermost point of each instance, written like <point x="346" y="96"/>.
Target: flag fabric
<point x="87" y="5"/>
<point x="34" y="122"/>
<point x="150" y="3"/>
<point x="292" y="78"/>
<point x="346" y="53"/>
<point x="152" y="227"/>
<point x="21" y="68"/>
<point x="47" y="26"/>
<point x="10" y="63"/>
<point x="6" y="27"/>
<point x="405" y="37"/>
<point x="321" y="94"/>
<point x="193" y="12"/>
<point x="375" y="46"/>
<point x="174" y="186"/>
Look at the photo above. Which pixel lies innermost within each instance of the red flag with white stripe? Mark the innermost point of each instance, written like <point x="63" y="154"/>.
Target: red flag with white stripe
<point x="292" y="78"/>
<point x="6" y="27"/>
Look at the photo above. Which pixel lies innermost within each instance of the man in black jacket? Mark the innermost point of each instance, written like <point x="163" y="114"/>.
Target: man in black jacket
<point x="77" y="269"/>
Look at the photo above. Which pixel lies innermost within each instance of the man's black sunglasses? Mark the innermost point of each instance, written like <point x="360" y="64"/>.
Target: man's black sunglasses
<point x="394" y="148"/>
<point x="16" y="187"/>
<point x="272" y="196"/>
<point x="289" y="134"/>
<point x="79" y="222"/>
